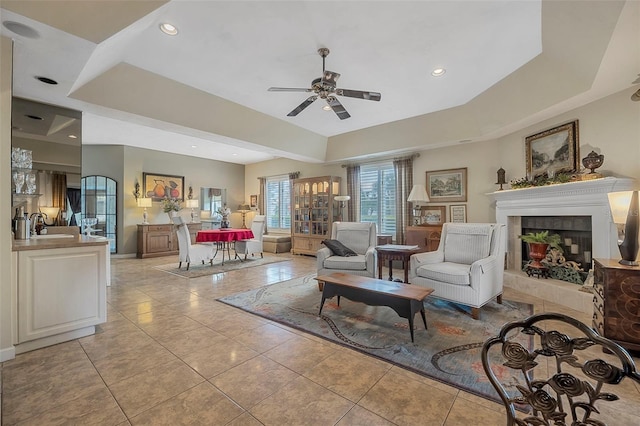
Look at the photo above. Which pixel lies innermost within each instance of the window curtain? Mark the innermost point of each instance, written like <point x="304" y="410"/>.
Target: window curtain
<point x="404" y="182"/>
<point x="262" y="202"/>
<point x="59" y="193"/>
<point x="73" y="195"/>
<point x="353" y="190"/>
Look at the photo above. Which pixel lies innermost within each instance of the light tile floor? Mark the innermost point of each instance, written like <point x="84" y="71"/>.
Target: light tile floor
<point x="170" y="354"/>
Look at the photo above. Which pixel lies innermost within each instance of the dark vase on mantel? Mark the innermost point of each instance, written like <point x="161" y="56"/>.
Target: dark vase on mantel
<point x="537" y="252"/>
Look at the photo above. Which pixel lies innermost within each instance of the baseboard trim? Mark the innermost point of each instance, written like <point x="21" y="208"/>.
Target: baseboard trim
<point x="7" y="353"/>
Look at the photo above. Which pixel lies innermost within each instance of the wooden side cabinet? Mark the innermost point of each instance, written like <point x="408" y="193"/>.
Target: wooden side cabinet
<point x="161" y="240"/>
<point x="427" y="237"/>
<point x="616" y="299"/>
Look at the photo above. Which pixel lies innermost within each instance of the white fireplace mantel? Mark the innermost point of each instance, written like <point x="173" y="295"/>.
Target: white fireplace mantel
<point x="581" y="198"/>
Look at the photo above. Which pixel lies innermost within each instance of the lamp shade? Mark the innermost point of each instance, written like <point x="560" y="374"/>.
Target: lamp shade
<point x="244" y="208"/>
<point x="620" y="202"/>
<point x="342" y="198"/>
<point x="418" y="193"/>
<point x="144" y="202"/>
<point x="192" y="204"/>
<point x="50" y="212"/>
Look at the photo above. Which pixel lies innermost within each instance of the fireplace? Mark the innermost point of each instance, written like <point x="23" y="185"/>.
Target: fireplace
<point x="574" y="231"/>
<point x="586" y="200"/>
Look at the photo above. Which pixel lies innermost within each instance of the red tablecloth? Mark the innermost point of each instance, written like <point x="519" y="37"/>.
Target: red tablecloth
<point x="227" y="234"/>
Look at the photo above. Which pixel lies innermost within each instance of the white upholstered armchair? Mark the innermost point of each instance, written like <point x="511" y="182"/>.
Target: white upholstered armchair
<point x="361" y="237"/>
<point x="253" y="245"/>
<point x="191" y="252"/>
<point x="468" y="266"/>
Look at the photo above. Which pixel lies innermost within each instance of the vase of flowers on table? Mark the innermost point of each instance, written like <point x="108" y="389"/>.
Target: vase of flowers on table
<point x="171" y="206"/>
<point x="224" y="212"/>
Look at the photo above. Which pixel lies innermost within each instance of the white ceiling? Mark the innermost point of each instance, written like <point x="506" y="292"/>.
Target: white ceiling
<point x="236" y="50"/>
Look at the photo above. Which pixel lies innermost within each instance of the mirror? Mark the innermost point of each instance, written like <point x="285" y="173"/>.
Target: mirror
<point x="211" y="199"/>
<point x="52" y="136"/>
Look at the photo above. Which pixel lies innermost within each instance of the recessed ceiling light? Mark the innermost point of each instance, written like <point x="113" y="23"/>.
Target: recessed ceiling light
<point x="194" y="146"/>
<point x="168" y="29"/>
<point x="73" y="136"/>
<point x="34" y="117"/>
<point x="47" y="80"/>
<point x="234" y="154"/>
<point x="438" y="72"/>
<point x="326" y="108"/>
<point x="21" y="29"/>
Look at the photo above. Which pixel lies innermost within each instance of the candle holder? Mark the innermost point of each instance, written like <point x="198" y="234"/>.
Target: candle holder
<point x="501" y="178"/>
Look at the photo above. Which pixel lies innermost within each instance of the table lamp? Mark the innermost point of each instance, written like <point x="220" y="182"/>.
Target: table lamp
<point x="50" y="215"/>
<point x="343" y="203"/>
<point x="418" y="195"/>
<point x="145" y="202"/>
<point x="191" y="203"/>
<point x="624" y="210"/>
<point x="244" y="209"/>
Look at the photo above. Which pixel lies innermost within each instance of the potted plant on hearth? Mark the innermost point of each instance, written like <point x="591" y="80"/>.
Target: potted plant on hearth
<point x="538" y="243"/>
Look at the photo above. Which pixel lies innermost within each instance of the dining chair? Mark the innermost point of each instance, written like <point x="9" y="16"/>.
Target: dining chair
<point x="254" y="245"/>
<point x="191" y="252"/>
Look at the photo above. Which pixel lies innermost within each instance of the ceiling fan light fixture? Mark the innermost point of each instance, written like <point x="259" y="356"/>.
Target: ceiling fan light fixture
<point x="438" y="72"/>
<point x="168" y="29"/>
<point x="326" y="108"/>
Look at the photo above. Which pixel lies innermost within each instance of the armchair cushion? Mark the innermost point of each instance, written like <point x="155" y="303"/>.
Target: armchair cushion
<point x="357" y="262"/>
<point x="339" y="249"/>
<point x="467" y="244"/>
<point x="452" y="273"/>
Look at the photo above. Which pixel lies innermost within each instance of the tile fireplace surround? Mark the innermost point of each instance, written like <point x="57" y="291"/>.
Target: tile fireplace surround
<point x="582" y="198"/>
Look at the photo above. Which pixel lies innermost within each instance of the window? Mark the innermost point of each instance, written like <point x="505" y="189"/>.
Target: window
<point x="278" y="203"/>
<point x="378" y="196"/>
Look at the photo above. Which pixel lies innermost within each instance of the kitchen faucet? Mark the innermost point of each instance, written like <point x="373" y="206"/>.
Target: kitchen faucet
<point x="37" y="224"/>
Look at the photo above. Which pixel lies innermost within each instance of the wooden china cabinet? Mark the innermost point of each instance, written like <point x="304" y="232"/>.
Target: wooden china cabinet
<point x="313" y="211"/>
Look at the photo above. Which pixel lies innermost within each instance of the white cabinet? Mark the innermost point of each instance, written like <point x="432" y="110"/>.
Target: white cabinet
<point x="61" y="294"/>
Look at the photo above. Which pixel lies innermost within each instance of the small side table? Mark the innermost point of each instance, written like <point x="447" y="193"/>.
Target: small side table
<point x="391" y="252"/>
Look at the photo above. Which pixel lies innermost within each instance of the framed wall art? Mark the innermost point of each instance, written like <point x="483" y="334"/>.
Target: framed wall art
<point x="553" y="151"/>
<point x="253" y="200"/>
<point x="157" y="186"/>
<point x="458" y="213"/>
<point x="447" y="185"/>
<point x="434" y="215"/>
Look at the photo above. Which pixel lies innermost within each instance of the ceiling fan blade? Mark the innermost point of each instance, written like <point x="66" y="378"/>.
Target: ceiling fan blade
<point x="370" y="96"/>
<point x="337" y="107"/>
<point x="288" y="89"/>
<point x="330" y="78"/>
<point x="302" y="106"/>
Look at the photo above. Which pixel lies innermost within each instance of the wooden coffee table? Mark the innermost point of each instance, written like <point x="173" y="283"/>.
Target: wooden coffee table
<point x="405" y="299"/>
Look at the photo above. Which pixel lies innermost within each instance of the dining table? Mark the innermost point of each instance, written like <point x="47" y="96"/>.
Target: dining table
<point x="223" y="238"/>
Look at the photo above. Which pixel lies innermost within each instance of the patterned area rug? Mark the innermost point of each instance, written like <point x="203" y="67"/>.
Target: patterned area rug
<point x="200" y="270"/>
<point x="449" y="351"/>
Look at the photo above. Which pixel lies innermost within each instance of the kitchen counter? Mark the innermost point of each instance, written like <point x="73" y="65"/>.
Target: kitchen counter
<point x="59" y="289"/>
<point x="58" y="241"/>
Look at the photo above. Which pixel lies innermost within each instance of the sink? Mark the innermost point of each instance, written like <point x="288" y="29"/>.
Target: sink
<point x="50" y="236"/>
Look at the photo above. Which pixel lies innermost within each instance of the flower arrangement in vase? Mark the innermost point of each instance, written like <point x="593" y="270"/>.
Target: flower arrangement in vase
<point x="224" y="212"/>
<point x="170" y="206"/>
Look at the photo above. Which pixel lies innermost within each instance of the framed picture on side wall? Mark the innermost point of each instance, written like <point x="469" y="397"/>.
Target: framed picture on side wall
<point x="447" y="185"/>
<point x="434" y="215"/>
<point x="458" y="213"/>
<point x="553" y="151"/>
<point x="253" y="201"/>
<point x="157" y="186"/>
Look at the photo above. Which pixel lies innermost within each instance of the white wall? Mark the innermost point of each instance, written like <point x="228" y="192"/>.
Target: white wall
<point x="126" y="165"/>
<point x="610" y="126"/>
<point x="6" y="345"/>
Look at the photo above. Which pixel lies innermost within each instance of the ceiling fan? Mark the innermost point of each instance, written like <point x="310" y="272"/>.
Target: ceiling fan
<point x="325" y="88"/>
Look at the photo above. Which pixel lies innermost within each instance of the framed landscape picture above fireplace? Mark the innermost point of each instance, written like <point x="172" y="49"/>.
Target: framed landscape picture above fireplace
<point x="553" y="151"/>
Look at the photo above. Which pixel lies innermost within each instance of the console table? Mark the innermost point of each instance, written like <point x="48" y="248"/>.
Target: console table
<point x="161" y="240"/>
<point x="616" y="301"/>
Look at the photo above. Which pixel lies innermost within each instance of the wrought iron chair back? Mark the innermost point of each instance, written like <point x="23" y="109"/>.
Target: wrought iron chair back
<point x="579" y="380"/>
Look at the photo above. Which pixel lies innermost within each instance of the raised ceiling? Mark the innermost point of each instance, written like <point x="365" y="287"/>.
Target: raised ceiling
<point x="507" y="63"/>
